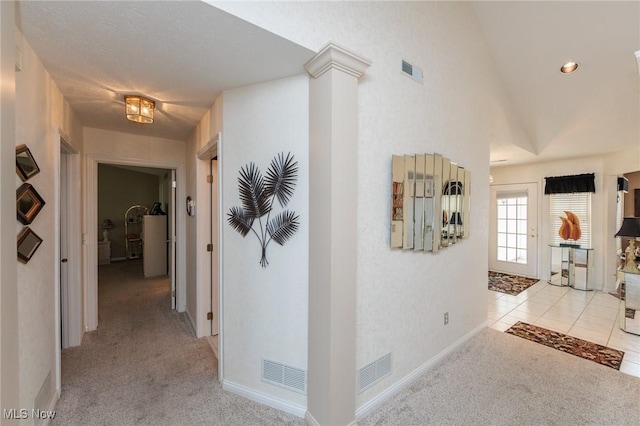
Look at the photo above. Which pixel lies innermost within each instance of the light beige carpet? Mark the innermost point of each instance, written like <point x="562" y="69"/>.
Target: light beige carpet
<point x="144" y="367"/>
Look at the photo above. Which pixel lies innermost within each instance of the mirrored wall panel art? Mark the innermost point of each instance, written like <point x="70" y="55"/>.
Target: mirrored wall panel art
<point x="429" y="202"/>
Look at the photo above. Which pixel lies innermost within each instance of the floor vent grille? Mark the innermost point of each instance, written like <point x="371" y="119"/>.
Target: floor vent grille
<point x="374" y="372"/>
<point x="284" y="376"/>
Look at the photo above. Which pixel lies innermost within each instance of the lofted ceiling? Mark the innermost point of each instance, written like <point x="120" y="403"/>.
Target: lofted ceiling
<point x="590" y="112"/>
<point x="183" y="54"/>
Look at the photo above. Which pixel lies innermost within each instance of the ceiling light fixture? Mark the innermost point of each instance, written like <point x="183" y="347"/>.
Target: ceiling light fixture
<point x="139" y="109"/>
<point x="569" y="68"/>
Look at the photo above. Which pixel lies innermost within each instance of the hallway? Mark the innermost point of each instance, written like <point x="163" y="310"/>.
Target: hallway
<point x="143" y="364"/>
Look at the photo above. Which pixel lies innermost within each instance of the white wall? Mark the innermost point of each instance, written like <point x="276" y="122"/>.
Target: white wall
<point x="265" y="309"/>
<point x="460" y="108"/>
<point x="9" y="354"/>
<point x="602" y="219"/>
<point x="40" y="108"/>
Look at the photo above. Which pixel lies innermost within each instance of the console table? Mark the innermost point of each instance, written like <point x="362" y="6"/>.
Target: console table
<point x="630" y="302"/>
<point x="571" y="266"/>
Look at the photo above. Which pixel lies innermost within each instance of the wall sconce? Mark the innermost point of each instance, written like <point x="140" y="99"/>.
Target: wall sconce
<point x="631" y="229"/>
<point x="139" y="109"/>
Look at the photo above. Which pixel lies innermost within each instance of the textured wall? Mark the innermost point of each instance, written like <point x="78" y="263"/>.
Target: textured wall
<point x="265" y="309"/>
<point x="459" y="109"/>
<point x="39" y="108"/>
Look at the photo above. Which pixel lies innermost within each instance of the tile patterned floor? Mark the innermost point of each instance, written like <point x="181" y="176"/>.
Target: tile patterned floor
<point x="588" y="315"/>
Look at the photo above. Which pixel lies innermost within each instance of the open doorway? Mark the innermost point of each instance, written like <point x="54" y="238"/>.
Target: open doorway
<point x="136" y="217"/>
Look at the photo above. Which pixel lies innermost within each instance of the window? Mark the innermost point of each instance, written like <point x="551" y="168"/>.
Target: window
<point x="512" y="228"/>
<point x="578" y="203"/>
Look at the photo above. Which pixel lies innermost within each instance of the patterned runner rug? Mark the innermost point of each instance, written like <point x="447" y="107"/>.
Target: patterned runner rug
<point x="509" y="284"/>
<point x="571" y="345"/>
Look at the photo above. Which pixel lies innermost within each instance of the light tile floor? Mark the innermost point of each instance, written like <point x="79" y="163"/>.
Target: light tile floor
<point x="588" y="315"/>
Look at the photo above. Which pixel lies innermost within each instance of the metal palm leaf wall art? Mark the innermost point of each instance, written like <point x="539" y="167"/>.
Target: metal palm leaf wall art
<point x="258" y="194"/>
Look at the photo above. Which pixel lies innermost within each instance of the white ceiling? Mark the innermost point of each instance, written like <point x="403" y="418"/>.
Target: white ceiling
<point x="184" y="54"/>
<point x="593" y="111"/>
<point x="180" y="54"/>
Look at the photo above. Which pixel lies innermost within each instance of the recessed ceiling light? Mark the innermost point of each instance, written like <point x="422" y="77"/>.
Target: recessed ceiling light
<point x="569" y="67"/>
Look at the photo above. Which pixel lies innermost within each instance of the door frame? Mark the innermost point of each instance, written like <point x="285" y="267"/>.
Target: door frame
<point x="91" y="230"/>
<point x="72" y="317"/>
<point x="212" y="149"/>
<point x="532" y="189"/>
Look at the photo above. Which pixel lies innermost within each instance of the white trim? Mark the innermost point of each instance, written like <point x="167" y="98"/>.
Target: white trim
<point x="191" y="322"/>
<point x="375" y="402"/>
<point x="74" y="312"/>
<point x="220" y="264"/>
<point x="310" y="420"/>
<point x="333" y="56"/>
<point x="91" y="229"/>
<point x="52" y="405"/>
<point x="210" y="149"/>
<point x="262" y="398"/>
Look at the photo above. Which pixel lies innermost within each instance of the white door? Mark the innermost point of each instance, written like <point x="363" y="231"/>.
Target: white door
<point x="214" y="245"/>
<point x="513" y="229"/>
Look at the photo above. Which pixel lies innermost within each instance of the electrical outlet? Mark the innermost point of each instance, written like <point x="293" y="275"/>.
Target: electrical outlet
<point x="446" y="318"/>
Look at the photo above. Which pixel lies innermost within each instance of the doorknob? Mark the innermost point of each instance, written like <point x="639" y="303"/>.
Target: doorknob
<point x="64" y="260"/>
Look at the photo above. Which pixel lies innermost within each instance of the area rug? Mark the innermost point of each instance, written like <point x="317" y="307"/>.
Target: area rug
<point x="571" y="345"/>
<point x="509" y="284"/>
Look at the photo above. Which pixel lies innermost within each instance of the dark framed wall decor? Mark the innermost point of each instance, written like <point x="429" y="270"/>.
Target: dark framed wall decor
<point x="28" y="203"/>
<point x="636" y="202"/>
<point x="26" y="165"/>
<point x="28" y="243"/>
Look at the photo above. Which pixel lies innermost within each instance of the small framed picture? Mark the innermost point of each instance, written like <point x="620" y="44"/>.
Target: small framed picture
<point x="26" y="166"/>
<point x="28" y="203"/>
<point x="28" y="243"/>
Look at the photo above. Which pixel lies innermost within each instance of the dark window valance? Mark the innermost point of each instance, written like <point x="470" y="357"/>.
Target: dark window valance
<point x="570" y="184"/>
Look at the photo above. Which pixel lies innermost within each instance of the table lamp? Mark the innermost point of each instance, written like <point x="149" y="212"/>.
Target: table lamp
<point x="106" y="225"/>
<point x="631" y="229"/>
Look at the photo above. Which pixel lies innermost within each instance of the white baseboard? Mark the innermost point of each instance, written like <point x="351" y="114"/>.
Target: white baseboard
<point x="193" y="324"/>
<point x="375" y="402"/>
<point x="52" y="407"/>
<point x="262" y="398"/>
<point x="214" y="345"/>
<point x="310" y="420"/>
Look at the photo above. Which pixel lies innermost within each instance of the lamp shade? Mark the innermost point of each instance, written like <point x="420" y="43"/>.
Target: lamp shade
<point x="456" y="218"/>
<point x="107" y="224"/>
<point x="139" y="109"/>
<point x="630" y="227"/>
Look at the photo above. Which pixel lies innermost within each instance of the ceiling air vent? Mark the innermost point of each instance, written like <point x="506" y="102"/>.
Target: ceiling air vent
<point x="374" y="372"/>
<point x="412" y="71"/>
<point x="284" y="376"/>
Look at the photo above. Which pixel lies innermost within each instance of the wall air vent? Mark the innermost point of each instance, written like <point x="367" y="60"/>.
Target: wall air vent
<point x="284" y="376"/>
<point x="412" y="71"/>
<point x="374" y="372"/>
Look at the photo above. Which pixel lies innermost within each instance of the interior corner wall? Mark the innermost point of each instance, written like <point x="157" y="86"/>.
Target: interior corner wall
<point x="265" y="308"/>
<point x="602" y="225"/>
<point x="40" y="108"/>
<point x="119" y="189"/>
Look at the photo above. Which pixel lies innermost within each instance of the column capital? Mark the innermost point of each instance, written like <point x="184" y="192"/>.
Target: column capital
<point x="333" y="56"/>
